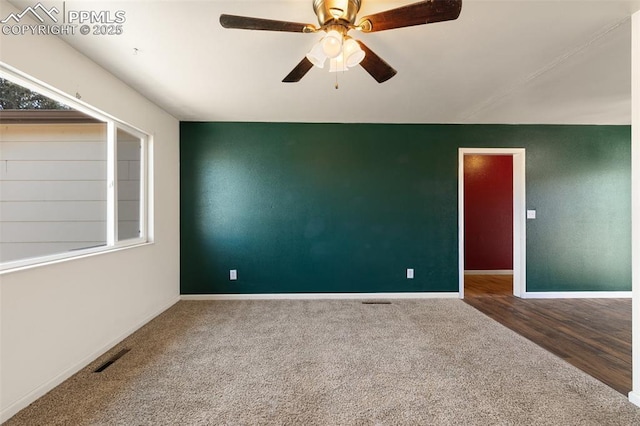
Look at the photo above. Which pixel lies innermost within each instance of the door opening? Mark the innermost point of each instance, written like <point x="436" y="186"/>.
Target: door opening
<point x="517" y="240"/>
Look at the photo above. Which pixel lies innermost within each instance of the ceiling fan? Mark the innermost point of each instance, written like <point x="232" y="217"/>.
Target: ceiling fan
<point x="337" y="18"/>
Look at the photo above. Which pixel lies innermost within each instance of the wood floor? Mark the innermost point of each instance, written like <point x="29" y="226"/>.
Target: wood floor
<point x="592" y="334"/>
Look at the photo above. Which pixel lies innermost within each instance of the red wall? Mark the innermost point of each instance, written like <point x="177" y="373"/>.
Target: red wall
<point x="488" y="212"/>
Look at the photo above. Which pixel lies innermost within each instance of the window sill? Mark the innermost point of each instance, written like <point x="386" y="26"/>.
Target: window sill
<point x="25" y="264"/>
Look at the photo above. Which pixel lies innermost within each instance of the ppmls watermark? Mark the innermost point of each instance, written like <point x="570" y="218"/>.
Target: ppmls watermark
<point x="53" y="21"/>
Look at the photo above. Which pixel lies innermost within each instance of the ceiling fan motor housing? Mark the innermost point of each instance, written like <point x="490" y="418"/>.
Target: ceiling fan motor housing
<point x="331" y="10"/>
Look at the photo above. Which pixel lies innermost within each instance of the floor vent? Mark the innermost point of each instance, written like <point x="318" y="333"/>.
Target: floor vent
<point x="111" y="360"/>
<point x="376" y="303"/>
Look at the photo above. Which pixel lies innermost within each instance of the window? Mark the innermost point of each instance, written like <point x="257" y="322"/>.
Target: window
<point x="72" y="180"/>
<point x="129" y="153"/>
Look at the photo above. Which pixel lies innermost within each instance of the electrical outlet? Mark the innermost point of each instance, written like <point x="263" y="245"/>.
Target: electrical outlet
<point x="409" y="273"/>
<point x="233" y="274"/>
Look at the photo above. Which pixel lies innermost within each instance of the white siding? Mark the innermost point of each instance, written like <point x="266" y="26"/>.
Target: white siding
<point x="128" y="148"/>
<point x="49" y="150"/>
<point x="53" y="190"/>
<point x="53" y="170"/>
<point x="53" y="211"/>
<point x="53" y="193"/>
<point x="33" y="232"/>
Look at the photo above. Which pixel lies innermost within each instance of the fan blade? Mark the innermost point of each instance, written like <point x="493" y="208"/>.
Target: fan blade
<point x="247" y="23"/>
<point x="299" y="71"/>
<point x="375" y="65"/>
<point x="423" y="12"/>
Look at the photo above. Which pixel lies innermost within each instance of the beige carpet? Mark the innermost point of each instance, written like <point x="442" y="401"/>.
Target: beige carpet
<point x="435" y="362"/>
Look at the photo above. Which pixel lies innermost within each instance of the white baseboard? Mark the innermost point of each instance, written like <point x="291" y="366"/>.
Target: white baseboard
<point x="320" y="296"/>
<point x="634" y="398"/>
<point x="576" y="295"/>
<point x="488" y="272"/>
<point x="41" y="390"/>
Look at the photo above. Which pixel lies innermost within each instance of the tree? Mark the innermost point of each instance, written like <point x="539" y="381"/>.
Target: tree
<point x="14" y="96"/>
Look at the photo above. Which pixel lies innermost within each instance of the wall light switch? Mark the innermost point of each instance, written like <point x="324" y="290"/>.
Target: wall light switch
<point x="233" y="274"/>
<point x="531" y="214"/>
<point x="409" y="274"/>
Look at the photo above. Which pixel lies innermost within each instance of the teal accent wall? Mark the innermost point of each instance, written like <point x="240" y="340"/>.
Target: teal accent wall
<point x="348" y="207"/>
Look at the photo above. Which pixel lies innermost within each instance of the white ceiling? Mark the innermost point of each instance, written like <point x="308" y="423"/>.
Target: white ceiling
<point x="511" y="61"/>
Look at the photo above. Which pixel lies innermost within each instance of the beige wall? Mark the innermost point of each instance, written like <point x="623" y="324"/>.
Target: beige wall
<point x="55" y="319"/>
<point x="634" y="395"/>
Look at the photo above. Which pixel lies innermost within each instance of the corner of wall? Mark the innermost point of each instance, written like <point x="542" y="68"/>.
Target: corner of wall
<point x="634" y="396"/>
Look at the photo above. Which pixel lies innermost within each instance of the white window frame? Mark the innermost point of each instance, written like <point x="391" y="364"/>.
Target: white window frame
<point x="112" y="184"/>
<point x="113" y="124"/>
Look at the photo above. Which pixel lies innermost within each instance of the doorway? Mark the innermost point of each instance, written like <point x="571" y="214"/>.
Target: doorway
<point x="519" y="235"/>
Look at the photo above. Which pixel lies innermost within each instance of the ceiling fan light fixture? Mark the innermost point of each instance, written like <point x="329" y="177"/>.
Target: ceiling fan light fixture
<point x="352" y="52"/>
<point x="332" y="44"/>
<point x="316" y="55"/>
<point x="337" y="64"/>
